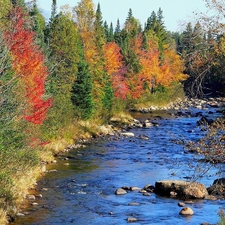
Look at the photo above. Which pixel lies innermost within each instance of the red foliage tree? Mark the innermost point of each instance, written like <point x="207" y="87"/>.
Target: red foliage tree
<point x="115" y="68"/>
<point x="29" y="64"/>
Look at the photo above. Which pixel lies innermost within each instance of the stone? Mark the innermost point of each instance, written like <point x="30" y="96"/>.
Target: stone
<point x="39" y="196"/>
<point x="128" y="134"/>
<point x="147" y="124"/>
<point x="187" y="211"/>
<point x="20" y="214"/>
<point x="149" y="188"/>
<point x="131" y="219"/>
<point x="34" y="204"/>
<point x="181" y="204"/>
<point x="30" y="197"/>
<point x="120" y="191"/>
<point x="52" y="171"/>
<point x="135" y="188"/>
<point x="134" y="204"/>
<point x="184" y="189"/>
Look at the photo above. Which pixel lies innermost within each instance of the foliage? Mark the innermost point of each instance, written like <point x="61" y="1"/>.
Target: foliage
<point x="63" y="44"/>
<point x="28" y="63"/>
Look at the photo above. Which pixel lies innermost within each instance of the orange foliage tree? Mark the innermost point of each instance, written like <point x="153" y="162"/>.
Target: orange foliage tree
<point x="28" y="63"/>
<point x="156" y="70"/>
<point x="115" y="68"/>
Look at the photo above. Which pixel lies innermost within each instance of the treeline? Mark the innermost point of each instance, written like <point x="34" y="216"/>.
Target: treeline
<point x="76" y="66"/>
<point x="201" y="46"/>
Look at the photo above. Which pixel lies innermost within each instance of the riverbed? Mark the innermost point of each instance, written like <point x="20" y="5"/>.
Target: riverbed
<point x="80" y="188"/>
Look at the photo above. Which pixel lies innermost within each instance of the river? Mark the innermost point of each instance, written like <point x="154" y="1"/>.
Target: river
<point x="82" y="191"/>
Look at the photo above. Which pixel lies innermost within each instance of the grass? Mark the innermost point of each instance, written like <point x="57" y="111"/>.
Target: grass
<point x="161" y="97"/>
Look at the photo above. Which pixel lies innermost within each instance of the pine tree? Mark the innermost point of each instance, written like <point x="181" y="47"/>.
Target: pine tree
<point x="111" y="33"/>
<point x="38" y="24"/>
<point x="117" y="34"/>
<point x="54" y="9"/>
<point x="155" y="24"/>
<point x="63" y="44"/>
<point x="100" y="37"/>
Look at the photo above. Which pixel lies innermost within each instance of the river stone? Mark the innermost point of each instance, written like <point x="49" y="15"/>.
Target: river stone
<point x="135" y="188"/>
<point x="120" y="191"/>
<point x="128" y="134"/>
<point x="131" y="219"/>
<point x="187" y="211"/>
<point x="30" y="197"/>
<point x="218" y="187"/>
<point x="147" y="124"/>
<point x="134" y="204"/>
<point x="181" y="204"/>
<point x="149" y="188"/>
<point x="20" y="214"/>
<point x="184" y="189"/>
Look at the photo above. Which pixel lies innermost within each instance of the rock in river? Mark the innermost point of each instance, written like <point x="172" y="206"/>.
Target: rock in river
<point x="184" y="189"/>
<point x="187" y="211"/>
<point x="120" y="191"/>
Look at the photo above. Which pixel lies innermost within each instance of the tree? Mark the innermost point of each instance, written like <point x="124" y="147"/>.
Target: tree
<point x="117" y="34"/>
<point x="54" y="9"/>
<point x="155" y="24"/>
<point x="38" y="24"/>
<point x="81" y="96"/>
<point x="115" y="68"/>
<point x="63" y="45"/>
<point x="28" y="63"/>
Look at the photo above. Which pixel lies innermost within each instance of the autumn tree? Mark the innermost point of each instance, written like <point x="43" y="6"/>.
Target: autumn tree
<point x="28" y="62"/>
<point x="11" y="129"/>
<point x="115" y="68"/>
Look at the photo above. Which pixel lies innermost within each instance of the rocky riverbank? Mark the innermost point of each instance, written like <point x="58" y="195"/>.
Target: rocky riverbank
<point x="180" y="108"/>
<point x="185" y="104"/>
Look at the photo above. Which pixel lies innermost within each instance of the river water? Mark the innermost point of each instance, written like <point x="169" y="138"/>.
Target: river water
<point x="82" y="190"/>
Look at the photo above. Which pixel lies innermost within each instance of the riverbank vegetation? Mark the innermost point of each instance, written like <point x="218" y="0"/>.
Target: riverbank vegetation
<point x="61" y="79"/>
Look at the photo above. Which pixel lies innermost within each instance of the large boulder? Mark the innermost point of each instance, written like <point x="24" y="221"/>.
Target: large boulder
<point x="183" y="189"/>
<point x="217" y="188"/>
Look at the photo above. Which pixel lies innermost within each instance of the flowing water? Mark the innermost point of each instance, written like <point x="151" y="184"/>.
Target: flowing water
<point x="82" y="191"/>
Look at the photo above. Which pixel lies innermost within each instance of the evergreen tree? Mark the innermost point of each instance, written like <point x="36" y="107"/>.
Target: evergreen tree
<point x="106" y="29"/>
<point x="117" y="34"/>
<point x="111" y="33"/>
<point x="81" y="97"/>
<point x="38" y="24"/>
<point x="155" y="24"/>
<point x="54" y="9"/>
<point x="63" y="42"/>
<point x="100" y="37"/>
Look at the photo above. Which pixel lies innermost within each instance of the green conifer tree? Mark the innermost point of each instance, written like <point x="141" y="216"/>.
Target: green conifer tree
<point x="63" y="45"/>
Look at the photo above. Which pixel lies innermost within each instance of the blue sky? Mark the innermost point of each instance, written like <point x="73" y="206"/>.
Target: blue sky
<point x="175" y="11"/>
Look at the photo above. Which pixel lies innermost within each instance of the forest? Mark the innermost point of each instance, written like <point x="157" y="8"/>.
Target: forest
<point x="60" y="76"/>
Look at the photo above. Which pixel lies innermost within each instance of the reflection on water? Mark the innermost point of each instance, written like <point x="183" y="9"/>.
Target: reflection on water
<point x="82" y="190"/>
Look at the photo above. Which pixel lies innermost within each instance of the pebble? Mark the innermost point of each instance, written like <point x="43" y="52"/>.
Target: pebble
<point x="20" y="214"/>
<point x="134" y="204"/>
<point x="181" y="204"/>
<point x="120" y="191"/>
<point x="131" y="219"/>
<point x="30" y="197"/>
<point x="186" y="211"/>
<point x="34" y="204"/>
<point x="135" y="189"/>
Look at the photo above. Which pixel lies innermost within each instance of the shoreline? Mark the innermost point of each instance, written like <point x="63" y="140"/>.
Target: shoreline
<point x="65" y="145"/>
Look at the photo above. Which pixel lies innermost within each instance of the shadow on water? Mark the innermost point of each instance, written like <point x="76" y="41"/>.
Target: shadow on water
<point x="82" y="190"/>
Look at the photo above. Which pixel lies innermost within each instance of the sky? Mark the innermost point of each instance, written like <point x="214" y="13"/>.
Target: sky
<point x="175" y="12"/>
